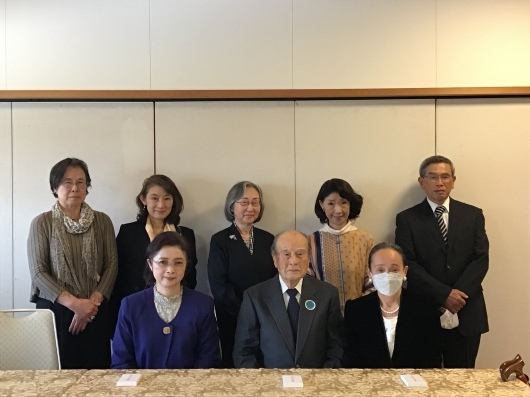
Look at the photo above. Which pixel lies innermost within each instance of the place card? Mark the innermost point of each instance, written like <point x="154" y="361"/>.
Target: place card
<point x="292" y="381"/>
<point x="129" y="380"/>
<point x="413" y="381"/>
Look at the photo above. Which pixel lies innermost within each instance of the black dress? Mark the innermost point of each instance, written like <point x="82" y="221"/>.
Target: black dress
<point x="231" y="270"/>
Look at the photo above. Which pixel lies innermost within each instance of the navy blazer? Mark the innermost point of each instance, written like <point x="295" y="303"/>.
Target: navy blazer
<point x="231" y="270"/>
<point x="264" y="337"/>
<point x="417" y="342"/>
<point x="132" y="242"/>
<point x="435" y="268"/>
<point x="139" y="341"/>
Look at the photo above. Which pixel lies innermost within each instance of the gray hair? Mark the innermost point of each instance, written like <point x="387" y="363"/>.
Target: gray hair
<point x="235" y="193"/>
<point x="273" y="246"/>
<point x="435" y="160"/>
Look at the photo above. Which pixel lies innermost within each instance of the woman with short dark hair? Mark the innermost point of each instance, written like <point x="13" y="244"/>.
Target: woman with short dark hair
<point x="339" y="250"/>
<point x="159" y="206"/>
<point x="73" y="264"/>
<point x="166" y="326"/>
<point x="239" y="258"/>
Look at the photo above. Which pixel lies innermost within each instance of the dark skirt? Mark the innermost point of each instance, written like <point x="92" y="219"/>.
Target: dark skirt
<point x="90" y="349"/>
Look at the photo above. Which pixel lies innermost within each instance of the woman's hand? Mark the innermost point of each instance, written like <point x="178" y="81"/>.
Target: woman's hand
<point x="84" y="310"/>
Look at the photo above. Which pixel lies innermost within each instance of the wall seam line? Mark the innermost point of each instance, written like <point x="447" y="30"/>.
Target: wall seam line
<point x="12" y="214"/>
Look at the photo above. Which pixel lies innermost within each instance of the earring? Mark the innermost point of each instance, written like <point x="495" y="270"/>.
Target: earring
<point x="145" y="207"/>
<point x="404" y="278"/>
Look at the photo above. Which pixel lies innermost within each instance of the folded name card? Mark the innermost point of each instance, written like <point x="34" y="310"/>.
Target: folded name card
<point x="413" y="381"/>
<point x="129" y="380"/>
<point x="292" y="381"/>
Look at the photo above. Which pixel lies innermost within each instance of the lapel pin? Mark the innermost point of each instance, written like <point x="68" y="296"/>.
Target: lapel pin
<point x="232" y="236"/>
<point x="310" y="305"/>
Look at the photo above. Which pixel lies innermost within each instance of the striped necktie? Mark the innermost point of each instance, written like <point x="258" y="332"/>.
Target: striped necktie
<point x="441" y="223"/>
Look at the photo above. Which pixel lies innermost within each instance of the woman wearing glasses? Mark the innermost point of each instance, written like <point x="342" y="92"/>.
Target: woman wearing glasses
<point x="167" y="325"/>
<point x="73" y="265"/>
<point x="239" y="258"/>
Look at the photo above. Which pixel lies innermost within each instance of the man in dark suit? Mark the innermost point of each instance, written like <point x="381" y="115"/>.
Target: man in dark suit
<point x="446" y="247"/>
<point x="292" y="320"/>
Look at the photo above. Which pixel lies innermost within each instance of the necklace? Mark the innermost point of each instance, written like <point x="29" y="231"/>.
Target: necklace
<point x="392" y="312"/>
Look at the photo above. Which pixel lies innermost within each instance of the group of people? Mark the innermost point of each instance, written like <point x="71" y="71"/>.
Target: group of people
<point x="333" y="299"/>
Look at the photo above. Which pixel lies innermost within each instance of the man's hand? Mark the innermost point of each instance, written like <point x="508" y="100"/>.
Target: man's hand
<point x="455" y="301"/>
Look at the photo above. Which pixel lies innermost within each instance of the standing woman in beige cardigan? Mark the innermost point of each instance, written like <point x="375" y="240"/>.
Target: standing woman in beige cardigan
<point x="73" y="265"/>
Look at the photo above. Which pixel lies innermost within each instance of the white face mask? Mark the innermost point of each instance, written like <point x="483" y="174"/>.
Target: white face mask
<point x="388" y="283"/>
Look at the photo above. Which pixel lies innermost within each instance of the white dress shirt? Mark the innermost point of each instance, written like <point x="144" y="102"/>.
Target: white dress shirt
<point x="285" y="288"/>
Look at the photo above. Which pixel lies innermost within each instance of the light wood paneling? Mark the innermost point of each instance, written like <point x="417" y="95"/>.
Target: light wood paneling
<point x="116" y="142"/>
<point x="77" y="44"/>
<point x="6" y="209"/>
<point x="488" y="142"/>
<point x="483" y="43"/>
<point x="376" y="146"/>
<point x="208" y="147"/>
<point x="205" y="44"/>
<point x="3" y="77"/>
<point x="364" y="44"/>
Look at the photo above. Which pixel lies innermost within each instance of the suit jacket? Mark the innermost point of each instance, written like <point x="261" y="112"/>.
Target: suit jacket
<point x="435" y="268"/>
<point x="264" y="337"/>
<point x="139" y="341"/>
<point x="417" y="342"/>
<point x="132" y="241"/>
<point x="231" y="270"/>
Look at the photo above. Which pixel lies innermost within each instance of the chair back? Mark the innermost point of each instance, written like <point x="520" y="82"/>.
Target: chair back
<point x="28" y="341"/>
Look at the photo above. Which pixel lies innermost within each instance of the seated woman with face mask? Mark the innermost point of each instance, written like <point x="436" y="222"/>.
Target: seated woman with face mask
<point x="391" y="328"/>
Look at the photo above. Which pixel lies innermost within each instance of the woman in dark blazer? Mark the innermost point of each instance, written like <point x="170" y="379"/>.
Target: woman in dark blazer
<point x="167" y="325"/>
<point x="159" y="206"/>
<point x="391" y="328"/>
<point x="240" y="257"/>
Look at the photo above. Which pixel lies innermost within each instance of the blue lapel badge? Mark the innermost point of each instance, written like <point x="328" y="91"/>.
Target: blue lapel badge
<point x="310" y="305"/>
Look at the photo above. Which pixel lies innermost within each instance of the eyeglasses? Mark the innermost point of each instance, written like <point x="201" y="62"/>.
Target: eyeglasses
<point x="246" y="203"/>
<point x="70" y="184"/>
<point x="164" y="263"/>
<point x="435" y="177"/>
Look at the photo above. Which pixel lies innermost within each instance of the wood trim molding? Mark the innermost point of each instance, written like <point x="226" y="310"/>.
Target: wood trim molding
<point x="246" y="95"/>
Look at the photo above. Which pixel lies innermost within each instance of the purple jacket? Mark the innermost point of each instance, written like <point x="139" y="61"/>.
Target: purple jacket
<point x="139" y="340"/>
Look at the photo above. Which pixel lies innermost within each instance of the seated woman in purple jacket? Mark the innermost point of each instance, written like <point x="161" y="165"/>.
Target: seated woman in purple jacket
<point x="167" y="325"/>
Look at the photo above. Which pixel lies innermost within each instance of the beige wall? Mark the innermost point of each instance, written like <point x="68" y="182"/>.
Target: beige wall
<point x="287" y="147"/>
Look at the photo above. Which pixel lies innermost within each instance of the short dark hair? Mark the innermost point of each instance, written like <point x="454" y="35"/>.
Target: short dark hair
<point x="59" y="169"/>
<point x="169" y="186"/>
<point x="345" y="191"/>
<point x="435" y="160"/>
<point x="273" y="246"/>
<point x="164" y="239"/>
<point x="235" y="193"/>
<point x="382" y="246"/>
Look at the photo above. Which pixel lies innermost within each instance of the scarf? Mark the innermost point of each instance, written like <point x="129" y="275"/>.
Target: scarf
<point x="168" y="227"/>
<point x="348" y="228"/>
<point x="78" y="278"/>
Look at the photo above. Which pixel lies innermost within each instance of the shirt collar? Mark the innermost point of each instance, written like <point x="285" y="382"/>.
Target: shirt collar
<point x="434" y="205"/>
<point x="285" y="287"/>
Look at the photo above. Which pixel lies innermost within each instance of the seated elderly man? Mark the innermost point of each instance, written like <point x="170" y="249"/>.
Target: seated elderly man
<point x="292" y="320"/>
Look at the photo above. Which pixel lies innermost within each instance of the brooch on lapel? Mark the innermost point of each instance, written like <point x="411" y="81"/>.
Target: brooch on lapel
<point x="310" y="305"/>
<point x="232" y="237"/>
